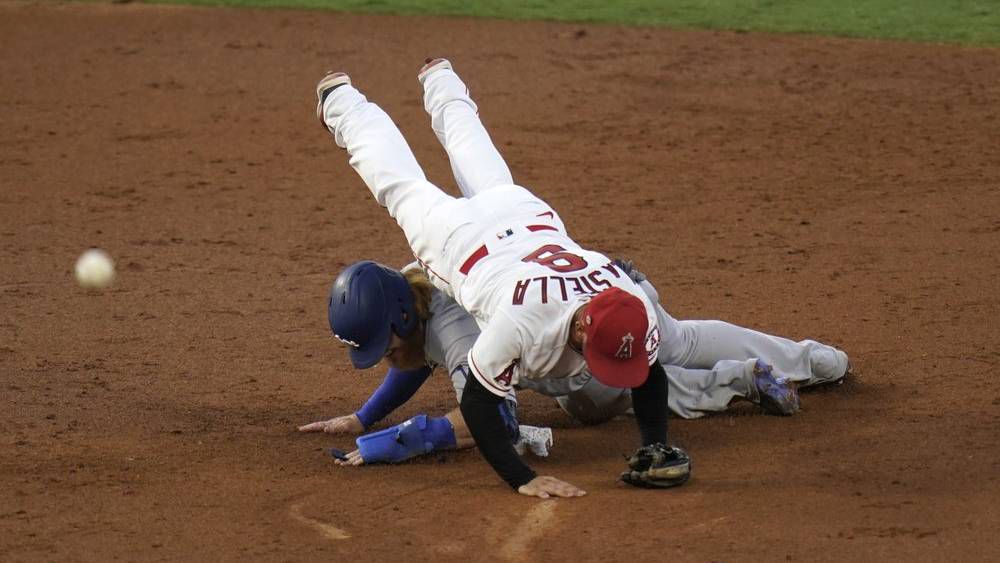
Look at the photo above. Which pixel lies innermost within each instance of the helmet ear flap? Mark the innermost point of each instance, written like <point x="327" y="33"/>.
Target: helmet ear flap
<point x="405" y="320"/>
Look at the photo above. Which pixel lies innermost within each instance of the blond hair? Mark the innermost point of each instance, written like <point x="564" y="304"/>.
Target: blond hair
<point x="421" y="289"/>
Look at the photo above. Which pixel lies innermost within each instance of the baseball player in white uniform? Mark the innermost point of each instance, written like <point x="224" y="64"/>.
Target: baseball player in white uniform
<point x="545" y="304"/>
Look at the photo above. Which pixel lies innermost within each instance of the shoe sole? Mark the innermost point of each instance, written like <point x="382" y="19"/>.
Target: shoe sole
<point x="431" y="66"/>
<point x="541" y="449"/>
<point x="328" y="84"/>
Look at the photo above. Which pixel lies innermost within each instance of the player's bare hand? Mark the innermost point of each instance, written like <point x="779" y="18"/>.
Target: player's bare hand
<point x="347" y="424"/>
<point x="545" y="486"/>
<point x="353" y="460"/>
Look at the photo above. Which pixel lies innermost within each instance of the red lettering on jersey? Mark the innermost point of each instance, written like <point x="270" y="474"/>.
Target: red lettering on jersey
<point x="507" y="375"/>
<point x="611" y="268"/>
<point x="590" y="284"/>
<point x="519" y="290"/>
<point x="562" y="287"/>
<point x="653" y="343"/>
<point x="595" y="278"/>
<point x="556" y="258"/>
<point x="586" y="282"/>
<point x="545" y="288"/>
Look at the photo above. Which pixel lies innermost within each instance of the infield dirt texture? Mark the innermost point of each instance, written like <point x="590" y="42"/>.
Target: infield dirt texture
<point x="843" y="190"/>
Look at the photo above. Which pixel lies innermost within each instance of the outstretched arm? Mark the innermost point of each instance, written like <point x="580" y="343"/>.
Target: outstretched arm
<point x="655" y="464"/>
<point x="397" y="388"/>
<point x="392" y="446"/>
<point x="479" y="408"/>
<point x="494" y="362"/>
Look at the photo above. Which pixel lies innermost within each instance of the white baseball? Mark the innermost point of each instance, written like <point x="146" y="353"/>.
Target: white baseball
<point x="94" y="269"/>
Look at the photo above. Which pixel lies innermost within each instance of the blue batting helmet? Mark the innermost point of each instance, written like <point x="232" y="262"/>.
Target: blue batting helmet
<point x="368" y="303"/>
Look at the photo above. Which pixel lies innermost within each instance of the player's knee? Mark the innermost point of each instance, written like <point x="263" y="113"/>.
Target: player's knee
<point x="594" y="406"/>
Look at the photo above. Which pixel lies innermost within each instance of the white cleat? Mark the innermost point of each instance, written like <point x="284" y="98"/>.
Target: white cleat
<point x="430" y="66"/>
<point x="328" y="84"/>
<point x="537" y="439"/>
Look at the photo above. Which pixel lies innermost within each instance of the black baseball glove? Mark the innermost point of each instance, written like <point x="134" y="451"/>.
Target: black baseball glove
<point x="658" y="467"/>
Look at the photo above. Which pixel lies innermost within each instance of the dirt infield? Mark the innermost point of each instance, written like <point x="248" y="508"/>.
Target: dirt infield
<point x="842" y="190"/>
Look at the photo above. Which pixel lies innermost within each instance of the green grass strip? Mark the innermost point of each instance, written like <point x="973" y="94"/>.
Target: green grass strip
<point x="957" y="21"/>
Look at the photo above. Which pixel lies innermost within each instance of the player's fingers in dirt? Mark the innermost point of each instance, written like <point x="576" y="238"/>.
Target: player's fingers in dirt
<point x="340" y="425"/>
<point x="546" y="486"/>
<point x="319" y="426"/>
<point x="352" y="459"/>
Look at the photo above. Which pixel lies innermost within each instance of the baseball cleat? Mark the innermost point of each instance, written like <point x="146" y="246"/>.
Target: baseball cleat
<point x="329" y="83"/>
<point x="538" y="439"/>
<point x="431" y="65"/>
<point x="776" y="395"/>
<point x="849" y="372"/>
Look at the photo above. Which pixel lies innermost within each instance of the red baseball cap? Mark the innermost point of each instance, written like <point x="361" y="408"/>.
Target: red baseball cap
<point x="615" y="323"/>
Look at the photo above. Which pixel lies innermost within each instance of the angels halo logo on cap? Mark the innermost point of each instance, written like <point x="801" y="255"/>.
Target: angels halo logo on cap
<point x="625" y="350"/>
<point x="612" y="319"/>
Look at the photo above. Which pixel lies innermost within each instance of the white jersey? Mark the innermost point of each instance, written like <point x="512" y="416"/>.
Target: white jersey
<point x="501" y="252"/>
<point x="525" y="292"/>
<point x="521" y="340"/>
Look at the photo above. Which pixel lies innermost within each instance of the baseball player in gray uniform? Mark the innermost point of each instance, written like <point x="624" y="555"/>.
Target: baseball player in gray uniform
<point x="369" y="295"/>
